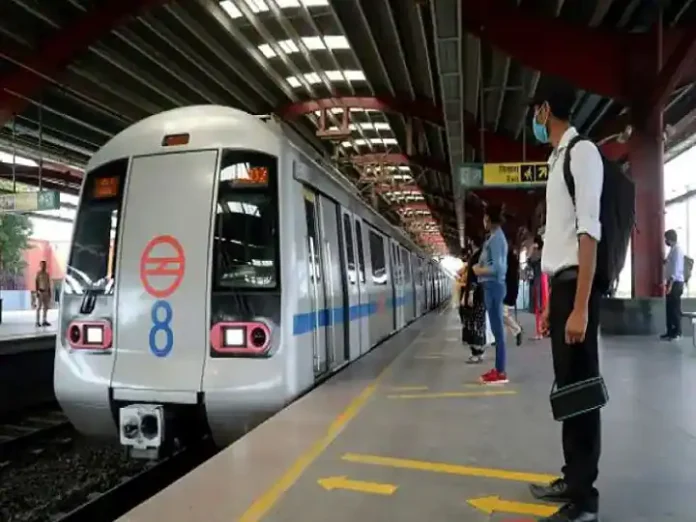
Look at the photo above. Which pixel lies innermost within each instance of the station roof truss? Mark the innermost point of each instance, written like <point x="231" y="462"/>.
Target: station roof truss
<point x="398" y="93"/>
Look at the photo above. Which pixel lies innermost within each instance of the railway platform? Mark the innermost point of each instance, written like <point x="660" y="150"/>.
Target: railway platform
<point x="408" y="434"/>
<point x="21" y="325"/>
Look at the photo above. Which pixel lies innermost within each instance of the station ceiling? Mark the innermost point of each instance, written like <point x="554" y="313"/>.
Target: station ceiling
<point x="397" y="92"/>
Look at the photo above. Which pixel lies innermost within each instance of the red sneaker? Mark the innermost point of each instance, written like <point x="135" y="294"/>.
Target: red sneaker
<point x="494" y="377"/>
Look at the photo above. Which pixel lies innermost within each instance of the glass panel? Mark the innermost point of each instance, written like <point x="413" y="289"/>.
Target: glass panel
<point x="245" y="242"/>
<point x="361" y="256"/>
<point x="379" y="266"/>
<point x="92" y="263"/>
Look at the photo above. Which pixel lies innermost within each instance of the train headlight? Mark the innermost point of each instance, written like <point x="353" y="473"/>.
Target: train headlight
<point x="90" y="335"/>
<point x="234" y="336"/>
<point x="240" y="339"/>
<point x="94" y="334"/>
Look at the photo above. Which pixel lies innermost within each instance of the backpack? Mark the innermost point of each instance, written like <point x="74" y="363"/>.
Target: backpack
<point x="688" y="268"/>
<point x="617" y="216"/>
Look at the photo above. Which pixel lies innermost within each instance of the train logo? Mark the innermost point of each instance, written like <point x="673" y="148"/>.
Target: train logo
<point x="161" y="276"/>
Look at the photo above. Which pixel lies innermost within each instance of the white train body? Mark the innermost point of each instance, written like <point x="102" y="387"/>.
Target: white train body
<point x="218" y="272"/>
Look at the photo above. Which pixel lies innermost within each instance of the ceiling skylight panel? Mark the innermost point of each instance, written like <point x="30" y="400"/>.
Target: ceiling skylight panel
<point x="339" y="110"/>
<point x="312" y="43"/>
<point x="372" y="141"/>
<point x="260" y="6"/>
<point x="334" y="76"/>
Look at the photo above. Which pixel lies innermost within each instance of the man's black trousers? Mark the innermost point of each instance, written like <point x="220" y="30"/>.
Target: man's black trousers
<point x="673" y="309"/>
<point x="574" y="363"/>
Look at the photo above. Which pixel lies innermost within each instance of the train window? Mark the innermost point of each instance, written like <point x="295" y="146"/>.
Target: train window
<point x="312" y="243"/>
<point x="350" y="251"/>
<point x="407" y="267"/>
<point x="92" y="262"/>
<point x="379" y="263"/>
<point x="245" y="247"/>
<point x="361" y="254"/>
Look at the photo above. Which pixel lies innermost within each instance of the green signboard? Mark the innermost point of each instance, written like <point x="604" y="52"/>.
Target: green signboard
<point x="30" y="201"/>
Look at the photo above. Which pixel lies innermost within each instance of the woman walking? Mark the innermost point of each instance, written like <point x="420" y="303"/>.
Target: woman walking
<point x="512" y="284"/>
<point x="473" y="312"/>
<point x="491" y="270"/>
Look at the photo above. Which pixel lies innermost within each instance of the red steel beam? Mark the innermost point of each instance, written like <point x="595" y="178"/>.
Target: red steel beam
<point x="423" y="109"/>
<point x="57" y="52"/>
<point x="397" y="158"/>
<point x="496" y="148"/>
<point x="592" y="59"/>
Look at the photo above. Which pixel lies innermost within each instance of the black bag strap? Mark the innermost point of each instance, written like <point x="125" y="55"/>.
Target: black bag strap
<point x="567" y="173"/>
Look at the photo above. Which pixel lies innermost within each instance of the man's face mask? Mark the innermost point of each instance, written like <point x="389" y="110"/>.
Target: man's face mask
<point x="539" y="121"/>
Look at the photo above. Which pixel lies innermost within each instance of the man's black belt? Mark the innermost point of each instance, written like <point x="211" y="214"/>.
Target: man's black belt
<point x="565" y="274"/>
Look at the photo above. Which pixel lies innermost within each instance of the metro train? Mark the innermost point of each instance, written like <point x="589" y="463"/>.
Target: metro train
<point x="219" y="269"/>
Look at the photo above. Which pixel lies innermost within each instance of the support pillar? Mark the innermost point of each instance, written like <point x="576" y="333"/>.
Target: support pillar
<point x="646" y="157"/>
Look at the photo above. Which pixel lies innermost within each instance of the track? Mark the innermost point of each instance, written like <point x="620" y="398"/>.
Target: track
<point x="32" y="431"/>
<point x="110" y="504"/>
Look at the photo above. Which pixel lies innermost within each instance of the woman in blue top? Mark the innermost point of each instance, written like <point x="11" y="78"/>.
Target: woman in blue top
<point x="491" y="271"/>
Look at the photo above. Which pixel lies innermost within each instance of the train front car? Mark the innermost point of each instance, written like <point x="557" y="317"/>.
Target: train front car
<point x="171" y="305"/>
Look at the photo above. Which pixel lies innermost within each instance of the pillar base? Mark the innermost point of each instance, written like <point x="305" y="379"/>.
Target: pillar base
<point x="639" y="316"/>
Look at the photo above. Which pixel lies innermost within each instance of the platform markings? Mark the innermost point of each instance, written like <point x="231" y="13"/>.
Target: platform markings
<point x="425" y="357"/>
<point x="449" y="469"/>
<point x="263" y="504"/>
<point x="494" y="504"/>
<point x="360" y="486"/>
<point x="408" y="388"/>
<point x="451" y="395"/>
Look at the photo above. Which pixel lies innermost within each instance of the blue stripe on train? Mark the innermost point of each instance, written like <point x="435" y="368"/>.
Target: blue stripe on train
<point x="306" y="322"/>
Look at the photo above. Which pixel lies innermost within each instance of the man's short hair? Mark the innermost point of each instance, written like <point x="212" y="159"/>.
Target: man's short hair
<point x="559" y="94"/>
<point x="671" y="235"/>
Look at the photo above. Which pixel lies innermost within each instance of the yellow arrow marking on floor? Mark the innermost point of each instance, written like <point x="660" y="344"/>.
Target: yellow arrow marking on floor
<point x="490" y="505"/>
<point x="451" y="469"/>
<point x="409" y="388"/>
<point x="374" y="488"/>
<point x="449" y="395"/>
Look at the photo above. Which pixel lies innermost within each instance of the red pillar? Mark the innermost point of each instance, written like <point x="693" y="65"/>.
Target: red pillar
<point x="646" y="157"/>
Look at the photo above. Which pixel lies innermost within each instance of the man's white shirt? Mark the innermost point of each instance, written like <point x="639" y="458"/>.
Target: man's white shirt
<point x="565" y="221"/>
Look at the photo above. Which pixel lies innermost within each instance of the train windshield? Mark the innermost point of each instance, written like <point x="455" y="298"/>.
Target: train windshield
<point x="245" y="250"/>
<point x="91" y="267"/>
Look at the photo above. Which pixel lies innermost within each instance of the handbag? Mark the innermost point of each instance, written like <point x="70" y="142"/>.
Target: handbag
<point x="578" y="398"/>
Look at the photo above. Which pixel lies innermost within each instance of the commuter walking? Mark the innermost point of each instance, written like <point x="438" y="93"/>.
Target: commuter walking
<point x="573" y="230"/>
<point x="491" y="271"/>
<point x="512" y="286"/>
<point x="674" y="286"/>
<point x="473" y="312"/>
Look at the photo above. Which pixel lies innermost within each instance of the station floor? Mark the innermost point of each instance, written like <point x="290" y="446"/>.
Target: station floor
<point x="21" y="324"/>
<point x="425" y="441"/>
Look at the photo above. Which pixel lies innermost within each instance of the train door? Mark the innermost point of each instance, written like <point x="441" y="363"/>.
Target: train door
<point x="409" y="293"/>
<point x="163" y="275"/>
<point x="316" y="290"/>
<point x="398" y="286"/>
<point x="351" y="288"/>
<point x="329" y="226"/>
<point x="364" y="298"/>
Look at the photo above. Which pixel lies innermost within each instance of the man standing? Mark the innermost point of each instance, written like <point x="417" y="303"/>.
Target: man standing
<point x="674" y="286"/>
<point x="573" y="230"/>
<point x="43" y="294"/>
